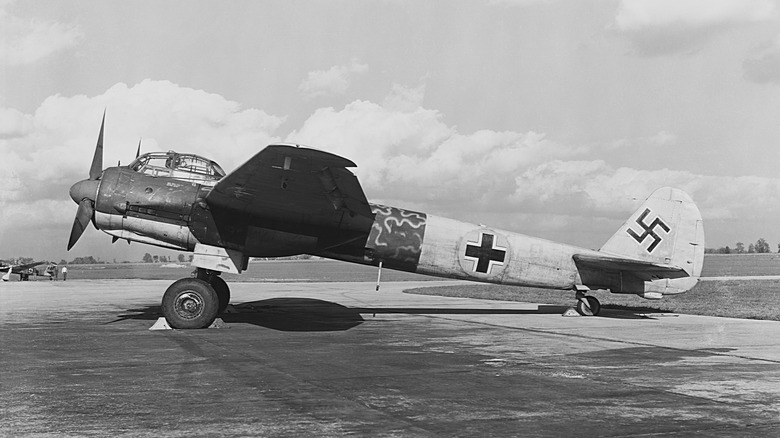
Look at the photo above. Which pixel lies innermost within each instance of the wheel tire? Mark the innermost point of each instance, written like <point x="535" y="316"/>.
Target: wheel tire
<point x="591" y="309"/>
<point x="223" y="292"/>
<point x="190" y="303"/>
<point x="594" y="304"/>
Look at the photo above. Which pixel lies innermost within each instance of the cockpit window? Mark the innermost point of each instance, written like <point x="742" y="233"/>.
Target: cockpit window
<point x="170" y="164"/>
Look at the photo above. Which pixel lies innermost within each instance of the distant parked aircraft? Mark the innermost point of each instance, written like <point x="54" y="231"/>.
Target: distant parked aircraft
<point x="24" y="271"/>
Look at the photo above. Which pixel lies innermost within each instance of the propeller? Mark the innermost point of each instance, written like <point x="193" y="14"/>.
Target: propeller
<point x="97" y="160"/>
<point x="83" y="217"/>
<point x="84" y="192"/>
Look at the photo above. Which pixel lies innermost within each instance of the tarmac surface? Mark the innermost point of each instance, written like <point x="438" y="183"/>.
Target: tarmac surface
<point x="334" y="359"/>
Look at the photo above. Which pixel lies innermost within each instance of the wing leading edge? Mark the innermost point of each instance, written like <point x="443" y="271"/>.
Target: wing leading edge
<point x="643" y="270"/>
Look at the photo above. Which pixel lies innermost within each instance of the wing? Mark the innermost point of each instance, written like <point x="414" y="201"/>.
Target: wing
<point x="294" y="189"/>
<point x="20" y="268"/>
<point x="646" y="271"/>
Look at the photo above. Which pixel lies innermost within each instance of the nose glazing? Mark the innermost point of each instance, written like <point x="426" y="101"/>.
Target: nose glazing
<point x="84" y="189"/>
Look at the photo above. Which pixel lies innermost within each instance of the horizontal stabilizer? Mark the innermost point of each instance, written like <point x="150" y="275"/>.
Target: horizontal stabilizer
<point x="644" y="270"/>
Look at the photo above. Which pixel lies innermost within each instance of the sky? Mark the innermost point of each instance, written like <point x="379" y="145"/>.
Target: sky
<point x="552" y="118"/>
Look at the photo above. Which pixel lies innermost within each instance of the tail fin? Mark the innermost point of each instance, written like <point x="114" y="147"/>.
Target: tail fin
<point x="666" y="229"/>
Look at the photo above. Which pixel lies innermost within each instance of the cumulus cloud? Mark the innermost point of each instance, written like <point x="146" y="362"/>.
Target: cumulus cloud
<point x="562" y="186"/>
<point x="679" y="26"/>
<point x="334" y="81"/>
<point x="764" y="65"/>
<point x="661" y="139"/>
<point x="405" y="151"/>
<point x="24" y="41"/>
<point x="45" y="152"/>
<point x="407" y="155"/>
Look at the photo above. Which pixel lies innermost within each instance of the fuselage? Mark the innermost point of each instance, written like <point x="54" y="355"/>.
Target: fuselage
<point x="172" y="213"/>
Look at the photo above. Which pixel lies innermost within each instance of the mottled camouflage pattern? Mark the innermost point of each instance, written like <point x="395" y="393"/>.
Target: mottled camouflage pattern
<point x="396" y="237"/>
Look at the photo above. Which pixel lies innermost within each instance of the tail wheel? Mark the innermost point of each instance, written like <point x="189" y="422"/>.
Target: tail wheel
<point x="190" y="303"/>
<point x="588" y="306"/>
<point x="222" y="290"/>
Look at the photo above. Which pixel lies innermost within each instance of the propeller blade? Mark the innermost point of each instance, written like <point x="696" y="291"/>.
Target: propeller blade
<point x="138" y="151"/>
<point x="83" y="217"/>
<point x="97" y="159"/>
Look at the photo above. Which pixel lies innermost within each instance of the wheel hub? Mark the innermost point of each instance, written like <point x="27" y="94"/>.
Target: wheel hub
<point x="188" y="305"/>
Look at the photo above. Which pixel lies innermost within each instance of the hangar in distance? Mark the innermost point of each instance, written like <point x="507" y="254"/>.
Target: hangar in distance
<point x="288" y="199"/>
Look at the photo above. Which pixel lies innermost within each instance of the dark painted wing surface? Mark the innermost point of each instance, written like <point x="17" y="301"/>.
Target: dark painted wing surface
<point x="296" y="189"/>
<point x="19" y="268"/>
<point x="643" y="270"/>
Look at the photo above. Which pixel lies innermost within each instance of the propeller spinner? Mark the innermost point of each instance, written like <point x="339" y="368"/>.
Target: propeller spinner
<point x="84" y="192"/>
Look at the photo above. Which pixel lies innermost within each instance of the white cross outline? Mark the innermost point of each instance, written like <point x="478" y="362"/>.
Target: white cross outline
<point x="491" y="262"/>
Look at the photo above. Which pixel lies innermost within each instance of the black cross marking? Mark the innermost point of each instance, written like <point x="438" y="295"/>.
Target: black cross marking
<point x="485" y="253"/>
<point x="649" y="230"/>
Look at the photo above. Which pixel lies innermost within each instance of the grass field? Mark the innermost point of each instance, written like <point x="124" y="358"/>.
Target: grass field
<point x="748" y="299"/>
<point x="757" y="299"/>
<point x="752" y="299"/>
<point x="720" y="265"/>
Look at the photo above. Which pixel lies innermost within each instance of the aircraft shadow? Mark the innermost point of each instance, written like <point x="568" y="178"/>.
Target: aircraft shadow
<point x="617" y="311"/>
<point x="313" y="315"/>
<point x="283" y="314"/>
<point x="541" y="310"/>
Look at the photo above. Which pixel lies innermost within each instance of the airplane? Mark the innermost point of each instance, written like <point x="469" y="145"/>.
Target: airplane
<point x="290" y="199"/>
<point x="24" y="271"/>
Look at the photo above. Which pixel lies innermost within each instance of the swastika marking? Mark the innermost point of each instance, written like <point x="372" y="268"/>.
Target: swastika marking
<point x="649" y="230"/>
<point x="485" y="254"/>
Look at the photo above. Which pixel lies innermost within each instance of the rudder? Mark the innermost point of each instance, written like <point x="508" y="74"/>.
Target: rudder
<point x="666" y="229"/>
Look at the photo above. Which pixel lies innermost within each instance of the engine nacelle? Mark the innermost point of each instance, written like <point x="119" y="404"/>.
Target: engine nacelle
<point x="166" y="235"/>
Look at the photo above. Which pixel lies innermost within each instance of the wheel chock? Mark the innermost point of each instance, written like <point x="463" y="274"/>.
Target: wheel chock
<point x="571" y="312"/>
<point x="161" y="324"/>
<point x="218" y="324"/>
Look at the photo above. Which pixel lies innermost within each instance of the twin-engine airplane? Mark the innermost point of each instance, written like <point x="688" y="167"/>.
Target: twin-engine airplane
<point x="289" y="200"/>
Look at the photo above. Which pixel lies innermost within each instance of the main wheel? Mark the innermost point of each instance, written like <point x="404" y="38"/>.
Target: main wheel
<point x="222" y="290"/>
<point x="592" y="308"/>
<point x="190" y="303"/>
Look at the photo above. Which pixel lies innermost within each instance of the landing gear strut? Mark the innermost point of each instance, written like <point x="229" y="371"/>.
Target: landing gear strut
<point x="192" y="303"/>
<point x="219" y="285"/>
<point x="587" y="305"/>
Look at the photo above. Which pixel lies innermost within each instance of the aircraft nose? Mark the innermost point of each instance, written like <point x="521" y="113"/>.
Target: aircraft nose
<point x="84" y="189"/>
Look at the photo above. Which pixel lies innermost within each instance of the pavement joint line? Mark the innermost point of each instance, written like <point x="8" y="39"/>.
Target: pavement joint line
<point x="719" y="429"/>
<point x="313" y="383"/>
<point x="408" y="374"/>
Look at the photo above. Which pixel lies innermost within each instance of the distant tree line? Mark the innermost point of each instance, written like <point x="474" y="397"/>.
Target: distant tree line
<point x="148" y="258"/>
<point x="760" y="247"/>
<point x="88" y="260"/>
<point x="294" y="257"/>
